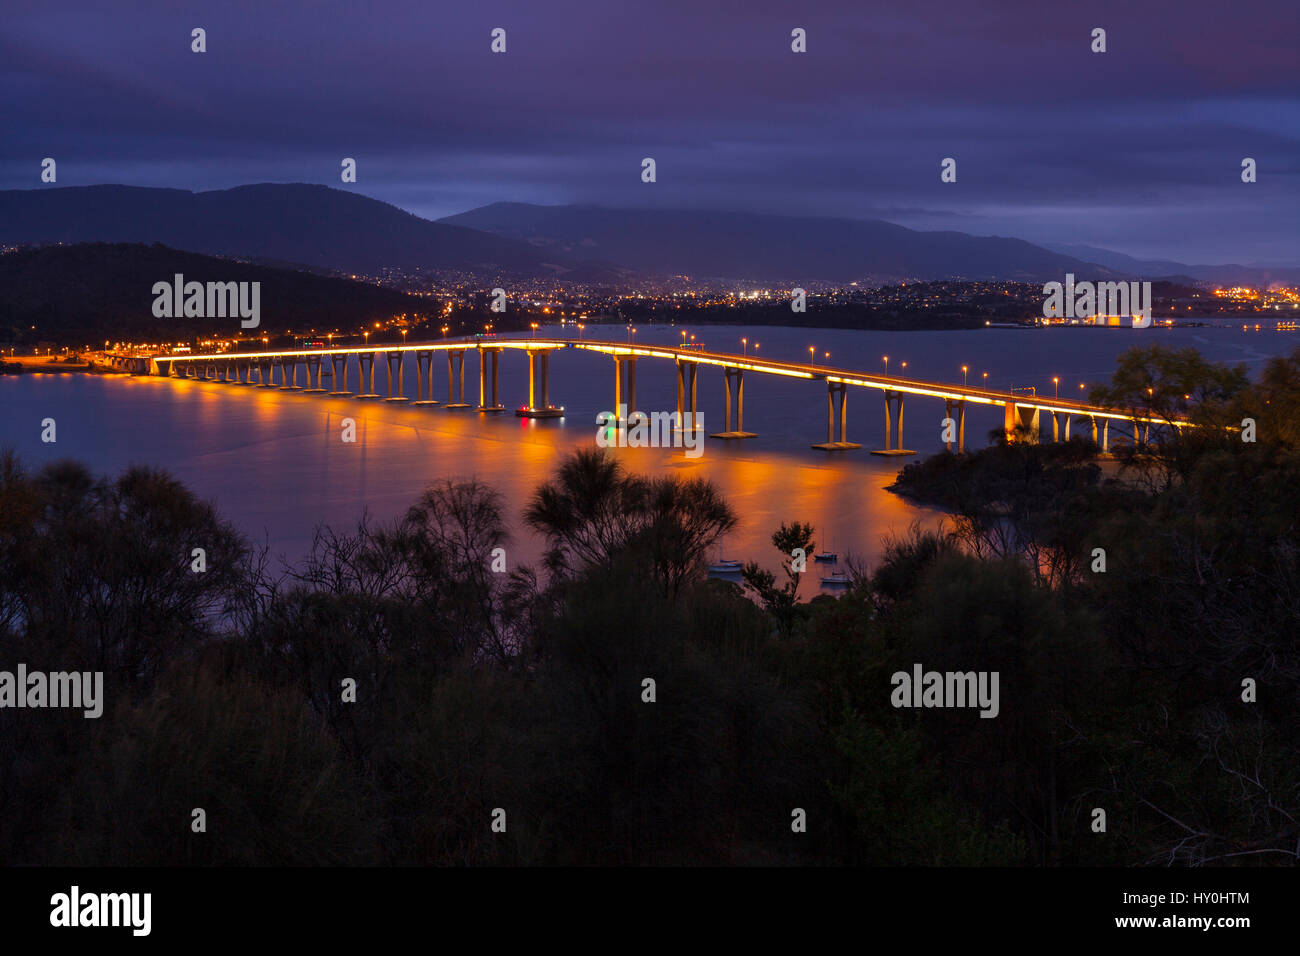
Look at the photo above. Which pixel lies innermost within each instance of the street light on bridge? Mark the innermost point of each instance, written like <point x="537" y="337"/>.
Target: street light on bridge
<point x="745" y="346"/>
<point x="1056" y="380"/>
<point x="812" y="356"/>
<point x="886" y="360"/>
<point x="963" y="376"/>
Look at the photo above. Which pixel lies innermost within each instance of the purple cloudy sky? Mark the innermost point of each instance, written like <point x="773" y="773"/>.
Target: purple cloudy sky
<point x="1137" y="150"/>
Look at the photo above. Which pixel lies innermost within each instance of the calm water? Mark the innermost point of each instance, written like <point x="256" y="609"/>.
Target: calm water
<point x="274" y="465"/>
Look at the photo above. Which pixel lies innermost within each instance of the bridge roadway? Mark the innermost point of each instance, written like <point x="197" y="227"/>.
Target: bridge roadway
<point x="1021" y="412"/>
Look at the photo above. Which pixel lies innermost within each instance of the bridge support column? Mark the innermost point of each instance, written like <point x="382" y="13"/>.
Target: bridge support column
<point x="837" y="394"/>
<point x="339" y="364"/>
<point x="1021" y="423"/>
<point x="424" y="379"/>
<point x="366" y="372"/>
<point x="624" y="389"/>
<point x="392" y="358"/>
<point x="313" y="364"/>
<point x="959" y="422"/>
<point x="539" y="387"/>
<point x="289" y="375"/>
<point x="456" y="377"/>
<point x="893" y="426"/>
<point x="687" y="409"/>
<point x="736" y="375"/>
<point x="487" y="381"/>
<point x="1105" y="436"/>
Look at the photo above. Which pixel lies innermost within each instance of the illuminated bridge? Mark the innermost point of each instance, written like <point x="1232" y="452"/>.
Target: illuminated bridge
<point x="1021" y="412"/>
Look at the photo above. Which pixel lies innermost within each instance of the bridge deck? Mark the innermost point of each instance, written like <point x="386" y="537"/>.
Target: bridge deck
<point x="889" y="383"/>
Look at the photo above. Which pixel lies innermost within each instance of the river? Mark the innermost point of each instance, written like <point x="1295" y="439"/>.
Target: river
<point x="274" y="464"/>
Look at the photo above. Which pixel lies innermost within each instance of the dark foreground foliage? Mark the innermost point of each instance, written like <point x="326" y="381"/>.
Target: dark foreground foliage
<point x="524" y="690"/>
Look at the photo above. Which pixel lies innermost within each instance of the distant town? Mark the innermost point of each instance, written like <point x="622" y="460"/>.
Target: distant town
<point x="445" y="303"/>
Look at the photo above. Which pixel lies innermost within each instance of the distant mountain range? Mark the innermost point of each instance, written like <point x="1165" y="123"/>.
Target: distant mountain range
<point x="325" y="228"/>
<point x="312" y="225"/>
<point x="1223" y="275"/>
<point x="764" y="247"/>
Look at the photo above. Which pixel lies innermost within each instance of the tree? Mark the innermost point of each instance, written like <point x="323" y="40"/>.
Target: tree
<point x="593" y="511"/>
<point x="795" y="542"/>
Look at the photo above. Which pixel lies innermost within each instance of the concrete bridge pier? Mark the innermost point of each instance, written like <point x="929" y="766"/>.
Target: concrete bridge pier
<point x="539" y="387"/>
<point x="960" y="420"/>
<point x="423" y="376"/>
<point x="1022" y="418"/>
<point x="837" y="394"/>
<point x="339" y="364"/>
<point x="736" y="375"/>
<point x="289" y="375"/>
<point x="687" y="409"/>
<point x="893" y="426"/>
<point x="1056" y="426"/>
<point x="366" y="371"/>
<point x="624" y="388"/>
<point x="456" y="380"/>
<point x="244" y="371"/>
<point x="264" y="374"/>
<point x="486" y="357"/>
<point x="391" y="359"/>
<point x="313" y="363"/>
